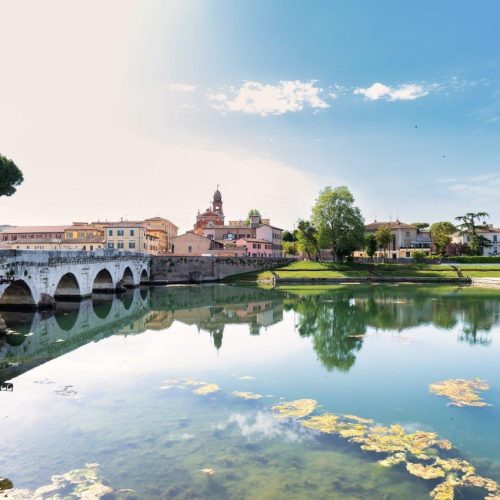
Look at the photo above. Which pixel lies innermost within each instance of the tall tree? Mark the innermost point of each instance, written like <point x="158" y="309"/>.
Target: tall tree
<point x="339" y="223"/>
<point x="370" y="244"/>
<point x="288" y="236"/>
<point x="307" y="238"/>
<point x="420" y="225"/>
<point x="10" y="176"/>
<point x="468" y="226"/>
<point x="441" y="235"/>
<point x="384" y="237"/>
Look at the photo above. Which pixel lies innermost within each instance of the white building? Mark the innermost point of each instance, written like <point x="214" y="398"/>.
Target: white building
<point x="490" y="233"/>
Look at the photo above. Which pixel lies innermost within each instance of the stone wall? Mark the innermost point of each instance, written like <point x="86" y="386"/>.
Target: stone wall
<point x="177" y="269"/>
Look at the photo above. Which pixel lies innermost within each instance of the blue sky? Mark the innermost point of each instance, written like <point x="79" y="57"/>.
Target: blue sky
<point x="400" y="101"/>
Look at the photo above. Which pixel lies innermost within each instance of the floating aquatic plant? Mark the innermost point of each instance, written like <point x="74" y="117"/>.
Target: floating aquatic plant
<point x="208" y="472"/>
<point x="462" y="392"/>
<point x="77" y="483"/>
<point x="206" y="389"/>
<point x="424" y="471"/>
<point x="181" y="382"/>
<point x="295" y="409"/>
<point x="246" y="395"/>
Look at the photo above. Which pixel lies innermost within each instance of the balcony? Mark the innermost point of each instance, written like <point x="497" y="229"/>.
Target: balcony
<point x="416" y="244"/>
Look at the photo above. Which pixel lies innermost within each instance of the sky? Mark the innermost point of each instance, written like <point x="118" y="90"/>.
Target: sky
<point x="137" y="108"/>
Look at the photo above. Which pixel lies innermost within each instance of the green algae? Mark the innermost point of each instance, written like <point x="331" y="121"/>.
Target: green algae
<point x="295" y="409"/>
<point x="462" y="392"/>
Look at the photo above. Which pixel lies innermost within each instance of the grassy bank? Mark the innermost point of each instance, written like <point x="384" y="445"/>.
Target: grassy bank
<point x="305" y="270"/>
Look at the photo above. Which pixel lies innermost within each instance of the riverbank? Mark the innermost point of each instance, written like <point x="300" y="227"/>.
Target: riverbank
<point x="328" y="272"/>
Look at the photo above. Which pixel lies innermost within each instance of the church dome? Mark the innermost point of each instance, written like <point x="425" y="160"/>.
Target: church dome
<point x="217" y="196"/>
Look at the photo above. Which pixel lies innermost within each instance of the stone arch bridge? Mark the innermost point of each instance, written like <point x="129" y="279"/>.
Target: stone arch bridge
<point x="30" y="279"/>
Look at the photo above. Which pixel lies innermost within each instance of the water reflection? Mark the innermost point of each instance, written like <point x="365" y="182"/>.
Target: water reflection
<point x="335" y="319"/>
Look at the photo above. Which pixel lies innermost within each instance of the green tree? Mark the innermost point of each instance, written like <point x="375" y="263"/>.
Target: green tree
<point x="420" y="225"/>
<point x="339" y="223"/>
<point x="384" y="237"/>
<point x="10" y="176"/>
<point x="468" y="226"/>
<point x="289" y="248"/>
<point x="288" y="236"/>
<point x="307" y="238"/>
<point x="370" y="244"/>
<point x="441" y="235"/>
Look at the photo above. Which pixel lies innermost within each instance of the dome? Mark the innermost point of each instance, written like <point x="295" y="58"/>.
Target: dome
<point x="217" y="196"/>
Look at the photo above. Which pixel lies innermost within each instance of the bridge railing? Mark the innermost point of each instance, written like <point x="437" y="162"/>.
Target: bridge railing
<point x="45" y="255"/>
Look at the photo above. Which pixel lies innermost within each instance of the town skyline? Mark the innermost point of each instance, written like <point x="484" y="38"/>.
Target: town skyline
<point x="147" y="121"/>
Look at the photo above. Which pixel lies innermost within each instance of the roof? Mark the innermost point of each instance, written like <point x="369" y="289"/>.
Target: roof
<point x="256" y="240"/>
<point x="158" y="219"/>
<point x="35" y="229"/>
<point x="191" y="233"/>
<point x="274" y="227"/>
<point x="392" y="225"/>
<point x="124" y="223"/>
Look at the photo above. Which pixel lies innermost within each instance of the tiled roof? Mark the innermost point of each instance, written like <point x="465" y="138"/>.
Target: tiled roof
<point x="124" y="223"/>
<point x="392" y="225"/>
<point x="35" y="229"/>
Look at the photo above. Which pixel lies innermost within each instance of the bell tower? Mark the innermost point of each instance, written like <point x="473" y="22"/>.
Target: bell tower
<point x="217" y="202"/>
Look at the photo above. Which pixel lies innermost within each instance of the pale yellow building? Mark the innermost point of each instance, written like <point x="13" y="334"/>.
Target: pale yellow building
<point x="164" y="230"/>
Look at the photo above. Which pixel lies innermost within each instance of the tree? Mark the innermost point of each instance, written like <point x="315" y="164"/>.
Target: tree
<point x="467" y="226"/>
<point x="340" y="225"/>
<point x="10" y="176"/>
<point x="441" y="235"/>
<point x="288" y="236"/>
<point x="420" y="225"/>
<point x="252" y="213"/>
<point x="370" y="244"/>
<point x="384" y="236"/>
<point x="456" y="249"/>
<point x="289" y="248"/>
<point x="307" y="238"/>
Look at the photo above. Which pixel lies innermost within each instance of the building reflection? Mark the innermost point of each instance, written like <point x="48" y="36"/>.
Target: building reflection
<point x="335" y="319"/>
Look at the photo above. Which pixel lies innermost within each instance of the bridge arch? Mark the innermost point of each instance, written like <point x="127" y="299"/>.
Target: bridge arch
<point x="18" y="295"/>
<point x="68" y="288"/>
<point x="103" y="282"/>
<point x="144" y="277"/>
<point x="128" y="278"/>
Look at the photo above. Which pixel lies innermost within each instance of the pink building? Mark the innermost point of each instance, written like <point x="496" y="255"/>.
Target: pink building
<point x="256" y="247"/>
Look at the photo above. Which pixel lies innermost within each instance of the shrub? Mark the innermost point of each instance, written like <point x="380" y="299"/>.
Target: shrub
<point x="419" y="257"/>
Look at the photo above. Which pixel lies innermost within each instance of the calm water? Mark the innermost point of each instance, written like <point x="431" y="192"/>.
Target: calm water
<point x="91" y="385"/>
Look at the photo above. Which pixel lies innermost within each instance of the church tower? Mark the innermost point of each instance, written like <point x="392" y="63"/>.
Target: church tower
<point x="217" y="202"/>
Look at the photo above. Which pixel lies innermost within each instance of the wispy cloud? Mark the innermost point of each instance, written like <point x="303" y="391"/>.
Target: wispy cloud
<point x="181" y="87"/>
<point x="478" y="187"/>
<point x="287" y="96"/>
<point x="405" y="92"/>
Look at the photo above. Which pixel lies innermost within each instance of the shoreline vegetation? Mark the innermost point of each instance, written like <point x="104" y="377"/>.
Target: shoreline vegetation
<point x="312" y="272"/>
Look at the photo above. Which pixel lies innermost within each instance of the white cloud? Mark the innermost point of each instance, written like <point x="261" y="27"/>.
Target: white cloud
<point x="406" y="92"/>
<point x="476" y="188"/>
<point x="181" y="87"/>
<point x="264" y="99"/>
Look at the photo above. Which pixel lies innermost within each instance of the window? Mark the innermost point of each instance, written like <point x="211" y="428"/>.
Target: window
<point x="110" y="232"/>
<point x="131" y="244"/>
<point x="495" y="238"/>
<point x="407" y="234"/>
<point x="119" y="244"/>
<point x="111" y="245"/>
<point x="119" y="232"/>
<point x="91" y="248"/>
<point x="132" y="232"/>
<point x="190" y="248"/>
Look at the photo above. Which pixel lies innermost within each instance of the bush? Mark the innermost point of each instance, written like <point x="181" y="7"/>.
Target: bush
<point x="474" y="259"/>
<point x="419" y="257"/>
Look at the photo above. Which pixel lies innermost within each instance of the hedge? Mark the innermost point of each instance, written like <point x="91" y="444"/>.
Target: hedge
<point x="473" y="259"/>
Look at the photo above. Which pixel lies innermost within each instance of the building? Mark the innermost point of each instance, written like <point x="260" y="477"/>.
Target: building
<point x="191" y="243"/>
<point x="406" y="239"/>
<point x="255" y="247"/>
<point x="491" y="233"/>
<point x="126" y="236"/>
<point x="212" y="215"/>
<point x="164" y="230"/>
